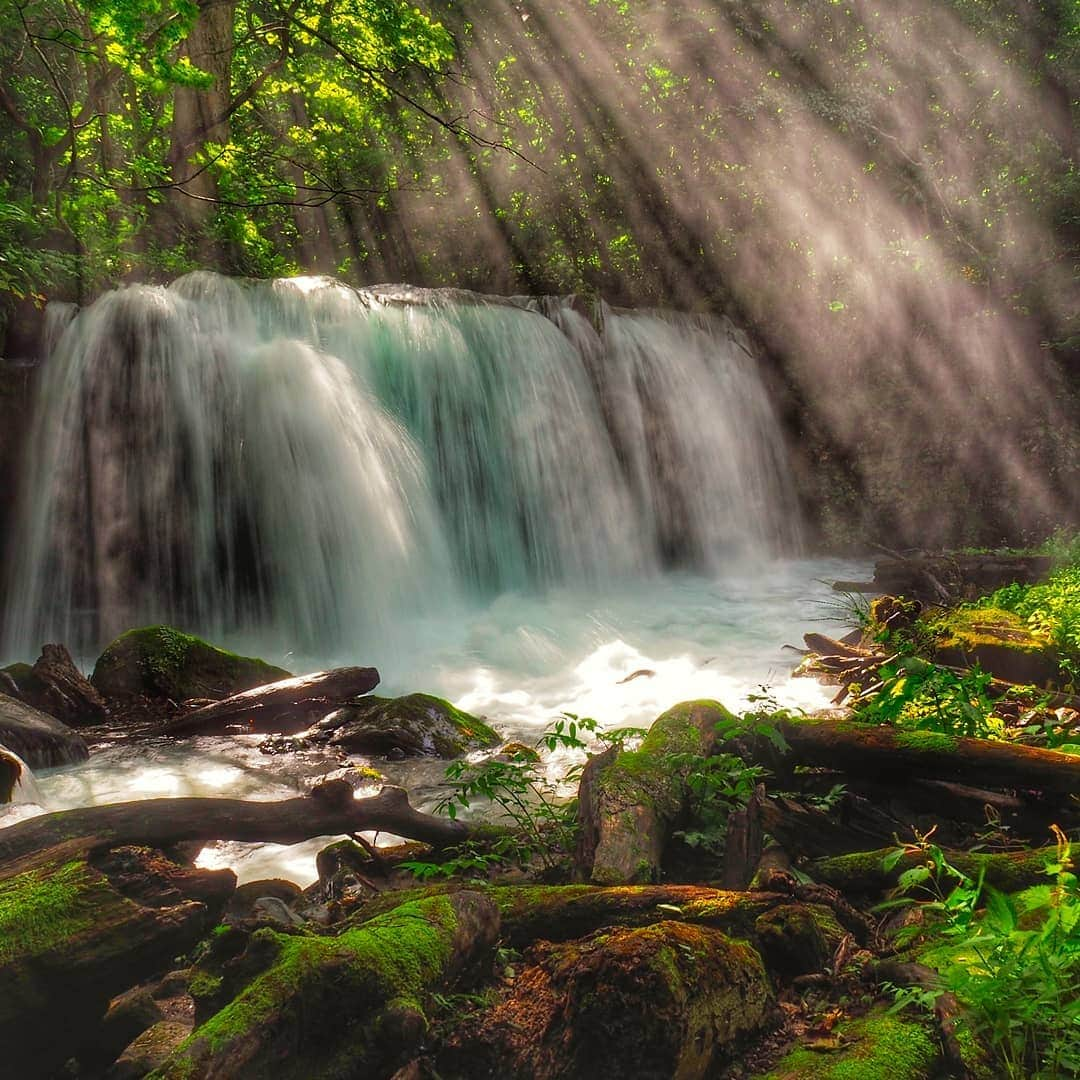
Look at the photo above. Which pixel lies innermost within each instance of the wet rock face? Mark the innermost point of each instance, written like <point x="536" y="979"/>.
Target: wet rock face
<point x="162" y="662"/>
<point x="666" y="1000"/>
<point x="415" y="725"/>
<point x="16" y="381"/>
<point x="40" y="740"/>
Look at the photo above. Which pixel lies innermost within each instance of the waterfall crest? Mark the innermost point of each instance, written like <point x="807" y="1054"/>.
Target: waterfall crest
<point x="307" y="461"/>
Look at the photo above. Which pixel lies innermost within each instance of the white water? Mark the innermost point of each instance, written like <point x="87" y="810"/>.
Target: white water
<point x="520" y="660"/>
<point x="490" y="500"/>
<point x="308" y="465"/>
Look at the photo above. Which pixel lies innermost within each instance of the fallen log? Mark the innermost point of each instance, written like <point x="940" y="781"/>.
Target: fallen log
<point x="264" y="708"/>
<point x="634" y="801"/>
<point x="166" y="822"/>
<point x="863" y="872"/>
<point x="900" y="753"/>
<point x="826" y="646"/>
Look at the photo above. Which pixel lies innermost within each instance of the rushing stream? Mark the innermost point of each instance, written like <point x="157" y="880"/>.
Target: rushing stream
<point x="512" y="504"/>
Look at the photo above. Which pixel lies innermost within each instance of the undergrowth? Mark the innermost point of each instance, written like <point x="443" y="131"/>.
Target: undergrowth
<point x="1012" y="961"/>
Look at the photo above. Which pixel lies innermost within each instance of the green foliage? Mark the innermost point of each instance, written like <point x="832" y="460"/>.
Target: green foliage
<point x="1051" y="610"/>
<point x="527" y="797"/>
<point x="916" y="694"/>
<point x="720" y="784"/>
<point x="1012" y="961"/>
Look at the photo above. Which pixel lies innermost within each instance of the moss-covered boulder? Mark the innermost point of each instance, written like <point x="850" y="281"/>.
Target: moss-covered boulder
<point x="667" y="1000"/>
<point x="162" y="662"/>
<point x="1000" y="642"/>
<point x="74" y="934"/>
<point x="23" y="678"/>
<point x="798" y="939"/>
<point x="875" y="1047"/>
<point x="416" y="724"/>
<point x="39" y="739"/>
<point x="348" y="1006"/>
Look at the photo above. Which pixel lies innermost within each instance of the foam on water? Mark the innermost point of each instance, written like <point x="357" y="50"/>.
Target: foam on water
<point x="520" y="660"/>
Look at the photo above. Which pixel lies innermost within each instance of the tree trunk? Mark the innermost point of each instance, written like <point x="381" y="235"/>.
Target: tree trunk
<point x="634" y="802"/>
<point x="200" y="116"/>
<point x="165" y="822"/>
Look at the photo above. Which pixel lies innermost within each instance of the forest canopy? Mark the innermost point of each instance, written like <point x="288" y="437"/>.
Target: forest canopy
<point x="873" y="187"/>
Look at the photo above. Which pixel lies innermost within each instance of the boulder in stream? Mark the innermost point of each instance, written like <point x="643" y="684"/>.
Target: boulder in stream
<point x="40" y="740"/>
<point x="416" y="725"/>
<point x="163" y="662"/>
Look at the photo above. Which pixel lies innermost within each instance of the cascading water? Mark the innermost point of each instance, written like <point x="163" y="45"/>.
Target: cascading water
<point x="303" y="462"/>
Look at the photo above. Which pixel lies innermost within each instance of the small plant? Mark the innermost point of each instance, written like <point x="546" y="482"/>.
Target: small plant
<point x="723" y="783"/>
<point x="914" y="693"/>
<point x="1012" y="961"/>
<point x="544" y="823"/>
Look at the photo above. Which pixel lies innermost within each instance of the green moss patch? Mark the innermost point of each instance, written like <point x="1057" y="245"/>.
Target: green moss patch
<point x="877" y="1047"/>
<point x="43" y="908"/>
<point x="163" y="662"/>
<point x="329" y="1007"/>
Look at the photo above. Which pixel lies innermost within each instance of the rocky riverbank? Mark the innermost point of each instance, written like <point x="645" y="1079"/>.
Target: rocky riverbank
<point x="707" y="907"/>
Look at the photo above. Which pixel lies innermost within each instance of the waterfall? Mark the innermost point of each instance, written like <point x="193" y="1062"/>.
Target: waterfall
<point x="307" y="462"/>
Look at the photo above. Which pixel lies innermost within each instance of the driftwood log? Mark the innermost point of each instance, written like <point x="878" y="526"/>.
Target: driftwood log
<point x="268" y="708"/>
<point x="166" y="822"/>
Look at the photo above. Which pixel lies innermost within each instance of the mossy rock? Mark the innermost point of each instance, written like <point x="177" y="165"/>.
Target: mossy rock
<point x="875" y="1047"/>
<point x="664" y="1000"/>
<point x="416" y="724"/>
<point x="798" y="939"/>
<point x="163" y="662"/>
<point x="1000" y="642"/>
<point x="71" y="940"/>
<point x="353" y="1005"/>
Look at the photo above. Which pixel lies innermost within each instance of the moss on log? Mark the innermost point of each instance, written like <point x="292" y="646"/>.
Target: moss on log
<point x="341" y="1007"/>
<point x="864" y="872"/>
<point x="898" y="753"/>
